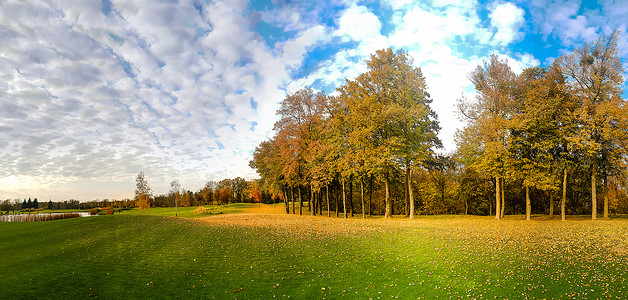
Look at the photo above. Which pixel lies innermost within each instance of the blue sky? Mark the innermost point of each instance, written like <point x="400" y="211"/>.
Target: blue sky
<point x="93" y="92"/>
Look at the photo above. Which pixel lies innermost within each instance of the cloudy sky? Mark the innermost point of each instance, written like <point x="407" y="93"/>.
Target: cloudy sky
<point x="92" y="92"/>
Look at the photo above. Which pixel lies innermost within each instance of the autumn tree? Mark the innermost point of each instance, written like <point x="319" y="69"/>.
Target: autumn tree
<point x="142" y="192"/>
<point x="257" y="195"/>
<point x="390" y="118"/>
<point x="595" y="76"/>
<point x="224" y="196"/>
<point x="300" y="115"/>
<point x="207" y="192"/>
<point x="268" y="162"/>
<point x="488" y="117"/>
<point x="541" y="121"/>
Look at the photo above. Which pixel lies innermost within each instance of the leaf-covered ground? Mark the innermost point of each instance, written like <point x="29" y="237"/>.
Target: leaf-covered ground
<point x="264" y="254"/>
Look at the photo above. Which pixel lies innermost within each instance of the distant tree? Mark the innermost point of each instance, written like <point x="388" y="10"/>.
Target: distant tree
<point x="6" y="205"/>
<point x="175" y="191"/>
<point x="207" y="192"/>
<point x="142" y="192"/>
<point x="35" y="204"/>
<point x="24" y="205"/>
<point x="224" y="196"/>
<point x="238" y="185"/>
<point x="257" y="195"/>
<point x="29" y="204"/>
<point x="186" y="198"/>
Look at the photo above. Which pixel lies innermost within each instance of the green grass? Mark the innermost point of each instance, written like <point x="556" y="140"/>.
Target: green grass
<point x="133" y="256"/>
<point x="188" y="212"/>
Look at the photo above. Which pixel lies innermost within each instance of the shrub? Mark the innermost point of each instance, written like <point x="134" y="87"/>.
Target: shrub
<point x="93" y="211"/>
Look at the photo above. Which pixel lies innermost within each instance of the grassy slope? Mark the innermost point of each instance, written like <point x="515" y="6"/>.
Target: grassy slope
<point x="188" y="212"/>
<point x="132" y="256"/>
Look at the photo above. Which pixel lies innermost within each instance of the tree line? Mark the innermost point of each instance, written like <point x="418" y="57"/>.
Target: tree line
<point x="531" y="139"/>
<point x="235" y="190"/>
<point x="538" y="127"/>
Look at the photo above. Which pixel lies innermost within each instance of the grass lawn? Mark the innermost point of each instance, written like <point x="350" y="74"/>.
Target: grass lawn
<point x="188" y="212"/>
<point x="248" y="256"/>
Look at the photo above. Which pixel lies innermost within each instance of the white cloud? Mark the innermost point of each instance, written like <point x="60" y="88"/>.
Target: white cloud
<point x="358" y="23"/>
<point x="507" y="19"/>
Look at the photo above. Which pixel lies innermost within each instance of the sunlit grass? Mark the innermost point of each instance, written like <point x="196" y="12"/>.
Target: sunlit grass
<point x="253" y="256"/>
<point x="188" y="212"/>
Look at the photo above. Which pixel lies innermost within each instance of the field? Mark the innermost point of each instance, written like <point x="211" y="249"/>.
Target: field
<point x="263" y="254"/>
<point x="188" y="212"/>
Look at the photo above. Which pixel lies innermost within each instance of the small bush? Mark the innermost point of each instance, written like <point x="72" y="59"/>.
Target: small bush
<point x="94" y="211"/>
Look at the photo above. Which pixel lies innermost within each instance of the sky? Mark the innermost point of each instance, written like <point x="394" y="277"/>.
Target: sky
<point x="93" y="92"/>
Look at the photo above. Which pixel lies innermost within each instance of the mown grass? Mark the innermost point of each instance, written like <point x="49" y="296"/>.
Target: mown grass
<point x="188" y="212"/>
<point x="246" y="257"/>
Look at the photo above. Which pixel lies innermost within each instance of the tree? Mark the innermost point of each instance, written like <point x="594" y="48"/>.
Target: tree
<point x="176" y="187"/>
<point x="186" y="198"/>
<point x="208" y="191"/>
<point x="268" y="163"/>
<point x="390" y="118"/>
<point x="224" y="196"/>
<point x="35" y="204"/>
<point x="238" y="186"/>
<point x="540" y="124"/>
<point x="300" y="116"/>
<point x="595" y="74"/>
<point x="143" y="192"/>
<point x="257" y="195"/>
<point x="488" y="118"/>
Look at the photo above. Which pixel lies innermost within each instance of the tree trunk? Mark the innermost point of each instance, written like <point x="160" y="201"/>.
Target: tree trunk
<point x="490" y="208"/>
<point x="497" y="200"/>
<point x="411" y="195"/>
<point x="407" y="191"/>
<point x="312" y="201"/>
<point x="605" y="196"/>
<point x="388" y="202"/>
<point x="551" y="208"/>
<point x="327" y="190"/>
<point x="337" y="197"/>
<point x="371" y="196"/>
<point x="362" y="197"/>
<point x="300" y="201"/>
<point x="285" y="201"/>
<point x="564" y="200"/>
<point x="501" y="185"/>
<point x="351" y="195"/>
<point x="528" y="204"/>
<point x="593" y="193"/>
<point x="344" y="198"/>
<point x="292" y="196"/>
